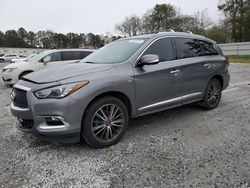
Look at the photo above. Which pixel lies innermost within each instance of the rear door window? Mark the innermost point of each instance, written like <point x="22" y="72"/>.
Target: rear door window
<point x="85" y="54"/>
<point x="208" y="48"/>
<point x="163" y="48"/>
<point x="71" y="55"/>
<point x="188" y="48"/>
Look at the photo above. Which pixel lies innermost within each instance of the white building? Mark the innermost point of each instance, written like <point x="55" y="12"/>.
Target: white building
<point x="20" y="51"/>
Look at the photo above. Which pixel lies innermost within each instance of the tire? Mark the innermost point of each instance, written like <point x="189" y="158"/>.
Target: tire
<point x="1" y="60"/>
<point x="99" y="133"/>
<point x="213" y="95"/>
<point x="24" y="73"/>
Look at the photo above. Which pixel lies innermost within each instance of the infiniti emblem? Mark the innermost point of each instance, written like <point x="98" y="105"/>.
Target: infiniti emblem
<point x="13" y="95"/>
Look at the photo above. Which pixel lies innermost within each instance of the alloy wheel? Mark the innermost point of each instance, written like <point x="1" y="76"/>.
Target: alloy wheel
<point x="214" y="93"/>
<point x="107" y="122"/>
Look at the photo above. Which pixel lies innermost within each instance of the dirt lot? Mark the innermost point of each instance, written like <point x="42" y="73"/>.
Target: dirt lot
<point x="184" y="147"/>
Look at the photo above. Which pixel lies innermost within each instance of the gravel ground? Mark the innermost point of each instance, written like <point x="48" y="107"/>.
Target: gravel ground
<point x="183" y="147"/>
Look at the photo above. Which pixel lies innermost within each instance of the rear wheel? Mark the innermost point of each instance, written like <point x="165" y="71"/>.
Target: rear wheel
<point x="105" y="122"/>
<point x="213" y="95"/>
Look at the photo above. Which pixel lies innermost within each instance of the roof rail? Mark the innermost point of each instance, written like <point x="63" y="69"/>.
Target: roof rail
<point x="190" y="32"/>
<point x="168" y="30"/>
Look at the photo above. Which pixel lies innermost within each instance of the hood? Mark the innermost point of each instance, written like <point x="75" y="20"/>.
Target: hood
<point x="65" y="72"/>
<point x="19" y="60"/>
<point x="13" y="65"/>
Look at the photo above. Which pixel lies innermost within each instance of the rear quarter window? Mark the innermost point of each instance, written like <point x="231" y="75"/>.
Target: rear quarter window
<point x="208" y="48"/>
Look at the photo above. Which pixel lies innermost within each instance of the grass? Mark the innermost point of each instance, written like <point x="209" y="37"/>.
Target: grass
<point x="239" y="58"/>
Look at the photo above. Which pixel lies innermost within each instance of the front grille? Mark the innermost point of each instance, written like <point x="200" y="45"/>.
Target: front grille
<point x="19" y="98"/>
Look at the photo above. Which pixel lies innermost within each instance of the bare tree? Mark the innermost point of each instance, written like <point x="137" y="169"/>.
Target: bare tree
<point x="131" y="26"/>
<point x="201" y="22"/>
<point x="148" y="23"/>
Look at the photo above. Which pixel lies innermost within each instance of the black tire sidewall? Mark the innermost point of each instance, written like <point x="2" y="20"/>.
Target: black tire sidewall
<point x="206" y="104"/>
<point x="86" y="123"/>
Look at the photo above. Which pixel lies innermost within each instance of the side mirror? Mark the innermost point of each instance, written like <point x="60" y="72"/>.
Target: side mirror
<point x="150" y="59"/>
<point x="46" y="60"/>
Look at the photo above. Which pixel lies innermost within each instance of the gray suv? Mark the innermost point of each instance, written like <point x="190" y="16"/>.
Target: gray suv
<point x="128" y="78"/>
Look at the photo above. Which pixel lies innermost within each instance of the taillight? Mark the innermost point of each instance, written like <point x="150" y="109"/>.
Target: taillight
<point x="227" y="60"/>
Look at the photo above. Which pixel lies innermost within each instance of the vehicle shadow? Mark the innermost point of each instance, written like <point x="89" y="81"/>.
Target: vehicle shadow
<point x="167" y="115"/>
<point x="151" y="122"/>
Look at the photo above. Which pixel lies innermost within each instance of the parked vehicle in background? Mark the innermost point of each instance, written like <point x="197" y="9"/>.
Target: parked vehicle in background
<point x="52" y="58"/>
<point x="131" y="77"/>
<point x="22" y="59"/>
<point x="1" y="55"/>
<point x="8" y="58"/>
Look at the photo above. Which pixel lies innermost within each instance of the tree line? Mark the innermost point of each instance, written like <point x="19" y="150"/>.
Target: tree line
<point x="49" y="39"/>
<point x="233" y="27"/>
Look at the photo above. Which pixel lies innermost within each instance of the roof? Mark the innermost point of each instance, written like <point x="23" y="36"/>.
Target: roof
<point x="177" y="34"/>
<point x="61" y="50"/>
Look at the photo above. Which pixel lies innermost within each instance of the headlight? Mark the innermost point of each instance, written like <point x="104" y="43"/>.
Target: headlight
<point x="8" y="70"/>
<point x="59" y="91"/>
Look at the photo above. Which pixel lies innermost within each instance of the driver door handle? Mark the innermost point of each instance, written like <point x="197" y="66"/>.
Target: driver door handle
<point x="208" y="65"/>
<point x="175" y="71"/>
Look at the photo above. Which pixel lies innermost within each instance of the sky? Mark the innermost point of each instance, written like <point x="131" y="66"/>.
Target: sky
<point x="84" y="16"/>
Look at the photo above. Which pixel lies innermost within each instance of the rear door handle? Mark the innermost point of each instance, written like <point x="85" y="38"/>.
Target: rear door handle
<point x="175" y="71"/>
<point x="208" y="65"/>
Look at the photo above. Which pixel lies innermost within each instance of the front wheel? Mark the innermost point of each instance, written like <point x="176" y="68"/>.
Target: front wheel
<point x="105" y="122"/>
<point x="213" y="95"/>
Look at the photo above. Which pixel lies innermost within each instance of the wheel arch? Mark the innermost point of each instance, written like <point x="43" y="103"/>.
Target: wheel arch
<point x="26" y="71"/>
<point x="220" y="78"/>
<point x="117" y="94"/>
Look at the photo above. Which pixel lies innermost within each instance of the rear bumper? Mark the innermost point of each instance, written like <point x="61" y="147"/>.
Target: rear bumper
<point x="226" y="80"/>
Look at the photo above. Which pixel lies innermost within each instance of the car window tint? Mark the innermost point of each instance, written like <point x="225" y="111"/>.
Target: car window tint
<point x="208" y="48"/>
<point x="188" y="47"/>
<point x="163" y="48"/>
<point x="54" y="56"/>
<point x="71" y="55"/>
<point x="85" y="54"/>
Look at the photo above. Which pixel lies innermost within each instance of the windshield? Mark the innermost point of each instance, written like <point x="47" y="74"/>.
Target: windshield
<point x="37" y="57"/>
<point x="115" y="52"/>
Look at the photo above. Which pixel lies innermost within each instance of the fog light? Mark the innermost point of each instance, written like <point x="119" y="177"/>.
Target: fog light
<point x="54" y="120"/>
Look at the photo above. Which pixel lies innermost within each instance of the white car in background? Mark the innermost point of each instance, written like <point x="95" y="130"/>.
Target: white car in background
<point x="8" y="57"/>
<point x="51" y="58"/>
<point x="22" y="59"/>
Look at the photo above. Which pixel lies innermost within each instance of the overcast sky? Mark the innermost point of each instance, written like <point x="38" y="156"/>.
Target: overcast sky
<point x="83" y="16"/>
